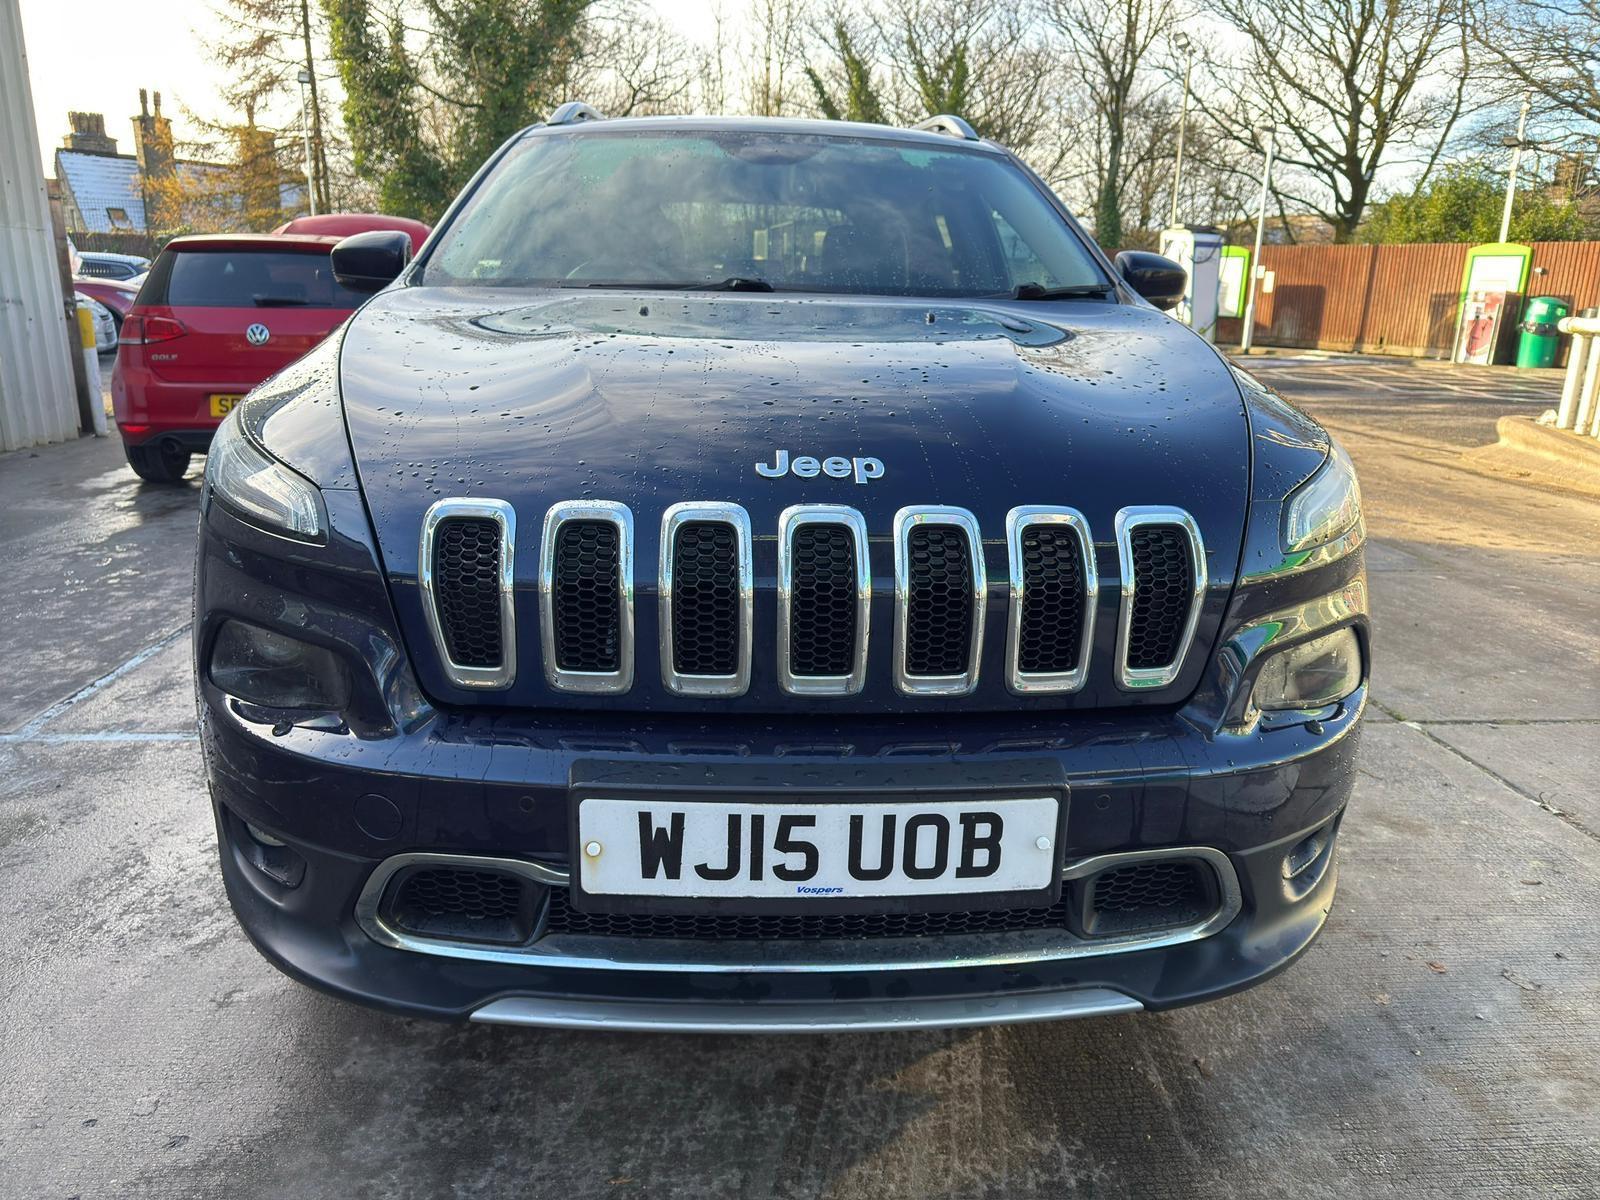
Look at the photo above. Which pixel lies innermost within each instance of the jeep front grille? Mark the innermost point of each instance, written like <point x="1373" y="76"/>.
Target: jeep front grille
<point x="1163" y="580"/>
<point x="466" y="566"/>
<point x="465" y="569"/>
<point x="1054" y="589"/>
<point x="824" y="600"/>
<point x="586" y="597"/>
<point x="562" y="918"/>
<point x="708" y="638"/>
<point x="707" y="600"/>
<point x="941" y="592"/>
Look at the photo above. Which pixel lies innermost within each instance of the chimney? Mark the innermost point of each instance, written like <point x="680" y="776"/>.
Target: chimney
<point x="158" y="168"/>
<point x="89" y="134"/>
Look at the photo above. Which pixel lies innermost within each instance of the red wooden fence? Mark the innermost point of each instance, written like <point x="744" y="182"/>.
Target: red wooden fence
<point x="1392" y="299"/>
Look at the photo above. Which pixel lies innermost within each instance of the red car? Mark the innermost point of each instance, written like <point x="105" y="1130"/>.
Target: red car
<point x="344" y="224"/>
<point x="217" y="315"/>
<point x="116" y="295"/>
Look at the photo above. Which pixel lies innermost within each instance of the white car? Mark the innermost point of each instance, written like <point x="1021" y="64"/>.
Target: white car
<point x="105" y="325"/>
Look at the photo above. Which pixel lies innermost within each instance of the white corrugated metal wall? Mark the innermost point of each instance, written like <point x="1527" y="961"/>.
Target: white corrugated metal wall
<point x="37" y="400"/>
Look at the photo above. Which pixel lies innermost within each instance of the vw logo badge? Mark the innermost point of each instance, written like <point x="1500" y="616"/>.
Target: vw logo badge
<point x="257" y="334"/>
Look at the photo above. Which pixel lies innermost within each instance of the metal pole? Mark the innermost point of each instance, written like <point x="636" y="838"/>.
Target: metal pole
<point x="1516" y="159"/>
<point x="305" y="137"/>
<point x="1589" y="397"/>
<point x="1255" y="256"/>
<point x="1183" y="126"/>
<point x="1572" y="386"/>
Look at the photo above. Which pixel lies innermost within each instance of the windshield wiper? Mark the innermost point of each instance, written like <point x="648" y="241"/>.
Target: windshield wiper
<point x="734" y="283"/>
<point x="280" y="302"/>
<point x="1078" y="291"/>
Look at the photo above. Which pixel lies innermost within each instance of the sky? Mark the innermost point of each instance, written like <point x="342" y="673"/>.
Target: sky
<point x="95" y="55"/>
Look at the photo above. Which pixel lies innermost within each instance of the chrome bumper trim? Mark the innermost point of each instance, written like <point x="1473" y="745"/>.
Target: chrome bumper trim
<point x="945" y="1012"/>
<point x="596" y="953"/>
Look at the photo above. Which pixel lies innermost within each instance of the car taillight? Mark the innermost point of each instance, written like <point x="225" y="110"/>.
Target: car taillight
<point x="141" y="331"/>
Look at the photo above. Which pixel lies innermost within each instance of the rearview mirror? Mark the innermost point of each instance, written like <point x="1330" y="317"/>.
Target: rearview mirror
<point x="1159" y="280"/>
<point x="370" y="262"/>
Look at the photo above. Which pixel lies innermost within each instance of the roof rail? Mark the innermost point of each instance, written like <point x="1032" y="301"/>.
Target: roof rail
<point x="950" y="126"/>
<point x="574" y="111"/>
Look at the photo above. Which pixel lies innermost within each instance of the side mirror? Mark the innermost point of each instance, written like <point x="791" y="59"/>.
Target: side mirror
<point x="1159" y="280"/>
<point x="370" y="262"/>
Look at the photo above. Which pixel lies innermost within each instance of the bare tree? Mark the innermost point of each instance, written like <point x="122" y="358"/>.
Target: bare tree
<point x="772" y="59"/>
<point x="1548" y="47"/>
<point x="1109" y="43"/>
<point x="1351" y="85"/>
<point x="983" y="60"/>
<point x="627" y="62"/>
<point x="265" y="45"/>
<point x="903" y="60"/>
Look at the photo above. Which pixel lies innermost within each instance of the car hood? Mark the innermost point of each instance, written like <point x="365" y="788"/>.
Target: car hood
<point x="651" y="398"/>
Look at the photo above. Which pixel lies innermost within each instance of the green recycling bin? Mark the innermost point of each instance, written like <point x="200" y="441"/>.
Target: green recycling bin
<point x="1540" y="341"/>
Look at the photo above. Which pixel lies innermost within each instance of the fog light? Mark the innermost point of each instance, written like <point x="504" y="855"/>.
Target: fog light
<point x="273" y="670"/>
<point x="1312" y="674"/>
<point x="267" y="854"/>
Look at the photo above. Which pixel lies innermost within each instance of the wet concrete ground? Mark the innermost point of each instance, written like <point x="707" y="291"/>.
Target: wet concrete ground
<point x="1443" y="1038"/>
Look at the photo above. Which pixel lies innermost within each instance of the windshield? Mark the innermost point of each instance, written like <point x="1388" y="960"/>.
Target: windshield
<point x="247" y="278"/>
<point x="796" y="212"/>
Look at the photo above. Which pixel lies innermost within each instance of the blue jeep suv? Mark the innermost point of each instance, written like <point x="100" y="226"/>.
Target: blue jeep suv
<point x="774" y="575"/>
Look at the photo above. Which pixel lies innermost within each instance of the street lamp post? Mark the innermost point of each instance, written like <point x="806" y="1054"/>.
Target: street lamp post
<point x="1516" y="161"/>
<point x="305" y="137"/>
<point x="1180" y="41"/>
<point x="1255" y="256"/>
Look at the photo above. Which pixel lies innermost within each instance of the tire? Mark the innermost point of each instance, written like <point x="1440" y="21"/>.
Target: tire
<point x="158" y="462"/>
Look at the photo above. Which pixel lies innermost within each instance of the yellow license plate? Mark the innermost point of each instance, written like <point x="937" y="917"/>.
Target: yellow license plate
<point x="220" y="405"/>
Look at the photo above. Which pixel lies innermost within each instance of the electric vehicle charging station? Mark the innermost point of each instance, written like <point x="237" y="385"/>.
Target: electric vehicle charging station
<point x="1198" y="249"/>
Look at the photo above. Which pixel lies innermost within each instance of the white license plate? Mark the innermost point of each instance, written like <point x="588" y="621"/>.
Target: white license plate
<point x="772" y="851"/>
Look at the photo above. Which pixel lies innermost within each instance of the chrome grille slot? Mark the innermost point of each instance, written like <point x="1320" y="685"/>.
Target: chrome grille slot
<point x="464" y="567"/>
<point x="586" y="597"/>
<point x="824" y="600"/>
<point x="707" y="599"/>
<point x="1053" y="594"/>
<point x="940" y="594"/>
<point x="1163" y="581"/>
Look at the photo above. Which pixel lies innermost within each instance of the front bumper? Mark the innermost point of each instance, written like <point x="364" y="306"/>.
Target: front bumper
<point x="471" y="786"/>
<point x="396" y="775"/>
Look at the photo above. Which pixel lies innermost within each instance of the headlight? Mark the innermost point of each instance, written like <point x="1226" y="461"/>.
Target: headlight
<point x="1325" y="506"/>
<point x="274" y="670"/>
<point x="1313" y="674"/>
<point x="261" y="488"/>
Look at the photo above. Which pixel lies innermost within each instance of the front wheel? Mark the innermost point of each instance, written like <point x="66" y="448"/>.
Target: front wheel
<point x="158" y="462"/>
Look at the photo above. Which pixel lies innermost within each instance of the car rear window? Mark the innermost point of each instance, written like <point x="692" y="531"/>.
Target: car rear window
<point x="246" y="278"/>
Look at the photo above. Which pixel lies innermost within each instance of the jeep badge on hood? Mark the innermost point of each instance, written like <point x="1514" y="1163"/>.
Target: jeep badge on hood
<point x="808" y="467"/>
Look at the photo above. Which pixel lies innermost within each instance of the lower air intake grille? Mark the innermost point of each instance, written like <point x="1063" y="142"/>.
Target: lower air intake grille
<point x="822" y="606"/>
<point x="1149" y="895"/>
<point x="705" y="598"/>
<point x="939" y="601"/>
<point x="1053" y="605"/>
<point x="1163" y="589"/>
<point x="564" y="918"/>
<point x="586" y="599"/>
<point x="466" y="904"/>
<point x="466" y="572"/>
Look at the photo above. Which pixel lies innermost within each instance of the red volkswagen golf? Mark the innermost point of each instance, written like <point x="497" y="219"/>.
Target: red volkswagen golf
<point x="217" y="315"/>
